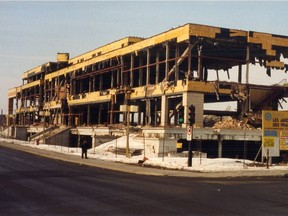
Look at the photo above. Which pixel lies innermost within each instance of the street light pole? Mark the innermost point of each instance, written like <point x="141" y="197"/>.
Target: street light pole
<point x="127" y="130"/>
<point x="127" y="97"/>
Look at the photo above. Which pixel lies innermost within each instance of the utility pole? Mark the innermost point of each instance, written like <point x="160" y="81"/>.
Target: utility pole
<point x="127" y="97"/>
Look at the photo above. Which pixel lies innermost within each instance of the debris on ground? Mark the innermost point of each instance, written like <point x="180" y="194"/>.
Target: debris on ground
<point x="230" y="123"/>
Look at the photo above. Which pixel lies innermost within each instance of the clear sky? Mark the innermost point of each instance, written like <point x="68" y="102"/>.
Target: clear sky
<point x="31" y="33"/>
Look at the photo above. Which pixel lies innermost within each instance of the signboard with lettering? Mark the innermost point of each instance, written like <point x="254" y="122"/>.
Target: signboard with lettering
<point x="274" y="131"/>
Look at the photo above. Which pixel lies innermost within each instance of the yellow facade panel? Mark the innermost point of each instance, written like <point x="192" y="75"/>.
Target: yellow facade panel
<point x="31" y="71"/>
<point x="268" y="41"/>
<point x="203" y="31"/>
<point x="32" y="84"/>
<point x="12" y="92"/>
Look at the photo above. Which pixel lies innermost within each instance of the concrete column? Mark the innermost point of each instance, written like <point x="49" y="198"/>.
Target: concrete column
<point x="197" y="99"/>
<point x="167" y="61"/>
<point x="121" y="72"/>
<point x="88" y="114"/>
<point x="220" y="146"/>
<point x="239" y="73"/>
<point x="148" y="68"/>
<point x="112" y="79"/>
<point x="90" y="84"/>
<point x="177" y="54"/>
<point x="164" y="110"/>
<point x="141" y="71"/>
<point x="94" y="141"/>
<point x="147" y="112"/>
<point x="10" y="112"/>
<point x="69" y="117"/>
<point x="101" y="83"/>
<point x="51" y="89"/>
<point x="189" y="62"/>
<point x="247" y="63"/>
<point x="157" y="67"/>
<point x="118" y="78"/>
<point x="200" y="67"/>
<point x="131" y="70"/>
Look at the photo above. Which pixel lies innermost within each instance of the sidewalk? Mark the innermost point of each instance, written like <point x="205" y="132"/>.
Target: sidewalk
<point x="143" y="170"/>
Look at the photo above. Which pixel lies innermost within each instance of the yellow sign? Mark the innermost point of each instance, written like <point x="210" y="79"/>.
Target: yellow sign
<point x="268" y="141"/>
<point x="277" y="120"/>
<point x="178" y="145"/>
<point x="275" y="125"/>
<point x="284" y="140"/>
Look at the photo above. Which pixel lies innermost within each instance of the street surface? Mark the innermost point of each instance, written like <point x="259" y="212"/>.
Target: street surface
<point x="33" y="185"/>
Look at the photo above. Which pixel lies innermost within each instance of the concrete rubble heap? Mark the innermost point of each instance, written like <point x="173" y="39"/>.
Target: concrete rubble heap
<point x="230" y="123"/>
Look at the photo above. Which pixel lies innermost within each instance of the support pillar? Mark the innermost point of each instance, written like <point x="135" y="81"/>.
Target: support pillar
<point x="220" y="146"/>
<point x="52" y="87"/>
<point x="147" y="112"/>
<point x="131" y="70"/>
<point x="141" y="81"/>
<point x="164" y="110"/>
<point x="101" y="83"/>
<point x="88" y="114"/>
<point x="247" y="64"/>
<point x="90" y="84"/>
<point x="118" y="78"/>
<point x="240" y="73"/>
<point x="10" y="112"/>
<point x="69" y="117"/>
<point x="121" y="72"/>
<point x="157" y="67"/>
<point x="148" y="68"/>
<point x="200" y="67"/>
<point x="167" y="61"/>
<point x="94" y="141"/>
<point x="94" y="83"/>
<point x="177" y="54"/>
<point x="189" y="62"/>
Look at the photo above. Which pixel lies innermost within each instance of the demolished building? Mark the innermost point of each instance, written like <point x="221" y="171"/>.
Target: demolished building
<point x="157" y="78"/>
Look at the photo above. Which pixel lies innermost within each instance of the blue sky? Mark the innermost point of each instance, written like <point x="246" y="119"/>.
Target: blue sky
<point x="31" y="33"/>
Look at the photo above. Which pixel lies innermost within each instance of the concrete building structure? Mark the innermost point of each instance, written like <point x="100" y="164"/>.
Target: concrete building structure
<point x="155" y="77"/>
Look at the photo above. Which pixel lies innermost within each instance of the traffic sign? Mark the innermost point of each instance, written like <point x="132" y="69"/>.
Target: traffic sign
<point x="189" y="133"/>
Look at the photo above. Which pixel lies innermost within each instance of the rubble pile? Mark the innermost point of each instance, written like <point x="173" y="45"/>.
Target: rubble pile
<point x="210" y="120"/>
<point x="230" y="123"/>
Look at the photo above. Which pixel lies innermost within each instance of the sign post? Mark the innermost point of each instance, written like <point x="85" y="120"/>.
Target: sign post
<point x="190" y="132"/>
<point x="189" y="138"/>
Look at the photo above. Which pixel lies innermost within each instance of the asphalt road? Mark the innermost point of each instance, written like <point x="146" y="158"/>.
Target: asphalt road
<point x="33" y="185"/>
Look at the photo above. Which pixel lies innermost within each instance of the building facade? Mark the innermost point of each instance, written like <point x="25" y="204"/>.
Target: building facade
<point x="160" y="76"/>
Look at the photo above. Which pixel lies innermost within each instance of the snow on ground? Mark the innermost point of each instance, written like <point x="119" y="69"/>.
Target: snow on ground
<point x="104" y="152"/>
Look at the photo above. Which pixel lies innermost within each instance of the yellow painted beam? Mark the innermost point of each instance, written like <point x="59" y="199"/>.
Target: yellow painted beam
<point x="206" y="87"/>
<point x="105" y="49"/>
<point x="180" y="34"/>
<point x="30" y="85"/>
<point x="88" y="98"/>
